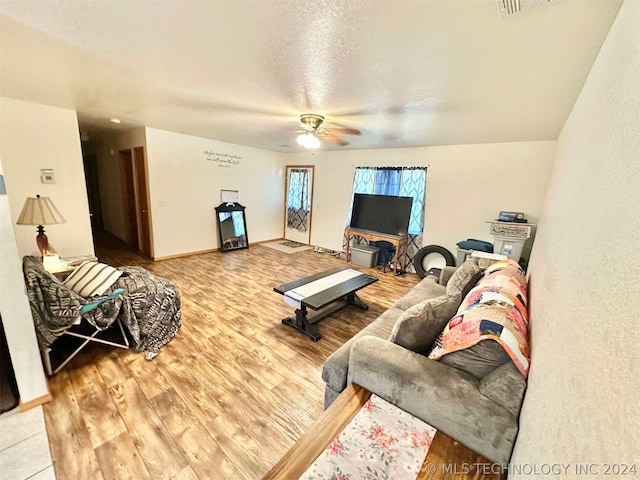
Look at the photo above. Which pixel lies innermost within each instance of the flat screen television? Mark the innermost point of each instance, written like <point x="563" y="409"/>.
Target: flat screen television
<point x="381" y="213"/>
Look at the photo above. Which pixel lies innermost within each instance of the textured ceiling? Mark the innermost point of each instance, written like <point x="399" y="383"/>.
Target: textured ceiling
<point x="430" y="72"/>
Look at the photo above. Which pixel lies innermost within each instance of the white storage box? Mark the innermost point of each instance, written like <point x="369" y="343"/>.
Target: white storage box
<point x="509" y="246"/>
<point x="509" y="238"/>
<point x="364" y="255"/>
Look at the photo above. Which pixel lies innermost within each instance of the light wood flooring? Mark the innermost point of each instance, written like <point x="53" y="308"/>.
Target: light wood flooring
<point x="228" y="396"/>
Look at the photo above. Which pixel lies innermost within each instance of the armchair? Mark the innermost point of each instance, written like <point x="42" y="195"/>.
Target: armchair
<point x="148" y="306"/>
<point x="58" y="311"/>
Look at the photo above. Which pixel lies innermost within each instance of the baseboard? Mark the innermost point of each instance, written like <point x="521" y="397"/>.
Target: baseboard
<point x="187" y="254"/>
<point x="23" y="407"/>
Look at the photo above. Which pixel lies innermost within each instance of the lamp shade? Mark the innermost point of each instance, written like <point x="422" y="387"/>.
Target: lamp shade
<point x="39" y="211"/>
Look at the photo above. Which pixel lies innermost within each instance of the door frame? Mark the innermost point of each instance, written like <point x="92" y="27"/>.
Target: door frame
<point x="135" y="184"/>
<point x="128" y="194"/>
<point x="286" y="197"/>
<point x="141" y="177"/>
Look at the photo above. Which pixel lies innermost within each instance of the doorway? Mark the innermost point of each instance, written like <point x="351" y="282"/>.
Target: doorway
<point x="90" y="162"/>
<point x="298" y="201"/>
<point x="135" y="200"/>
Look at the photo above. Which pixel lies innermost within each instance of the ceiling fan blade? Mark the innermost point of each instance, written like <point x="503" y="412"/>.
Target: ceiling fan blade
<point x="336" y="140"/>
<point x="343" y="131"/>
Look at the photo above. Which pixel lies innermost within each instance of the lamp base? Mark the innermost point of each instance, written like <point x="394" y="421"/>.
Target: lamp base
<point x="42" y="241"/>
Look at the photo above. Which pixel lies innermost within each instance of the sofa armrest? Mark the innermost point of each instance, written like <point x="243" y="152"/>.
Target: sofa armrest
<point x="444" y="397"/>
<point x="445" y="275"/>
<point x="336" y="366"/>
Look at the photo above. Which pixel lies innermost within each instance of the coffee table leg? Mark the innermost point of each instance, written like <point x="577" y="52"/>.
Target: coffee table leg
<point x="354" y="299"/>
<point x="302" y="324"/>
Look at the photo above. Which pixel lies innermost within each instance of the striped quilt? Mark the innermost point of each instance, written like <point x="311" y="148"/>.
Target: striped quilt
<point x="496" y="309"/>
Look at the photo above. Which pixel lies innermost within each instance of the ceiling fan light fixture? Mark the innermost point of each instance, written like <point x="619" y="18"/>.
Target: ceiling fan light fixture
<point x="308" y="140"/>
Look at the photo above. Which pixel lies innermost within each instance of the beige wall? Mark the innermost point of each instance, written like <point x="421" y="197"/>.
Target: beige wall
<point x="583" y="400"/>
<point x="106" y="149"/>
<point x="185" y="188"/>
<point x="466" y="186"/>
<point x="15" y="312"/>
<point x="33" y="137"/>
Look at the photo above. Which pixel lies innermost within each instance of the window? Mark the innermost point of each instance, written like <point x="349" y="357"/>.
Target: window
<point x="399" y="181"/>
<point x="298" y="205"/>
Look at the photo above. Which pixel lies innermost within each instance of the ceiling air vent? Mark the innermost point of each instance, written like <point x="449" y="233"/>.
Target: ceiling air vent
<point x="509" y="7"/>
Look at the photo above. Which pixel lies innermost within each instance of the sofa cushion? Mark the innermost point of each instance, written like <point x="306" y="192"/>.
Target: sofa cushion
<point x="505" y="386"/>
<point x="418" y="326"/>
<point x="444" y="397"/>
<point x="478" y="360"/>
<point x="464" y="278"/>
<point x="426" y="289"/>
<point x="336" y="367"/>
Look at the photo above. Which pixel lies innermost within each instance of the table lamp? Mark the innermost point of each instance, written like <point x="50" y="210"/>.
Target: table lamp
<point x="40" y="211"/>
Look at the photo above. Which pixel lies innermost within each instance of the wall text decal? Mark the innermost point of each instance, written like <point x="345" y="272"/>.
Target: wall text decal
<point x="225" y="160"/>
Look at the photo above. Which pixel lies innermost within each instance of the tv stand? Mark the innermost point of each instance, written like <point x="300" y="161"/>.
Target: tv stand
<point x="401" y="243"/>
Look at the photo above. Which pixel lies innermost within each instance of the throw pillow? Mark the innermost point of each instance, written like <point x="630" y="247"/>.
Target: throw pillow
<point x="464" y="278"/>
<point x="92" y="279"/>
<point x="418" y="326"/>
<point x="478" y="360"/>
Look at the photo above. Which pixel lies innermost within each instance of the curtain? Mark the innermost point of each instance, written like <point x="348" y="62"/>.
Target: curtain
<point x="400" y="181"/>
<point x="387" y="181"/>
<point x="413" y="185"/>
<point x="298" y="200"/>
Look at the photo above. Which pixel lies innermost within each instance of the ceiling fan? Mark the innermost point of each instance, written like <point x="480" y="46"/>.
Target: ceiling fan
<point x="313" y="130"/>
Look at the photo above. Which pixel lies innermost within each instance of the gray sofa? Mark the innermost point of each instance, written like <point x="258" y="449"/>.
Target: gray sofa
<point x="473" y="395"/>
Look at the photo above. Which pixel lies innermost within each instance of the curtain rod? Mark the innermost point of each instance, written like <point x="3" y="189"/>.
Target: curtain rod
<point x="395" y="168"/>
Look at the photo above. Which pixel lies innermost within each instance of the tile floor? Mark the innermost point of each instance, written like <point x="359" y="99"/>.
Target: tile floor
<point x="24" y="448"/>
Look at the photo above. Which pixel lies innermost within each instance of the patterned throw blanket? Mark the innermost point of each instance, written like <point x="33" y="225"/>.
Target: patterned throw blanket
<point x="496" y="308"/>
<point x="150" y="307"/>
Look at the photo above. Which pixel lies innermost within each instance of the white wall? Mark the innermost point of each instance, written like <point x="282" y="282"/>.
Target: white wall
<point x="15" y="312"/>
<point x="185" y="188"/>
<point x="583" y="400"/>
<point x="466" y="186"/>
<point x="33" y="137"/>
<point x="106" y="149"/>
